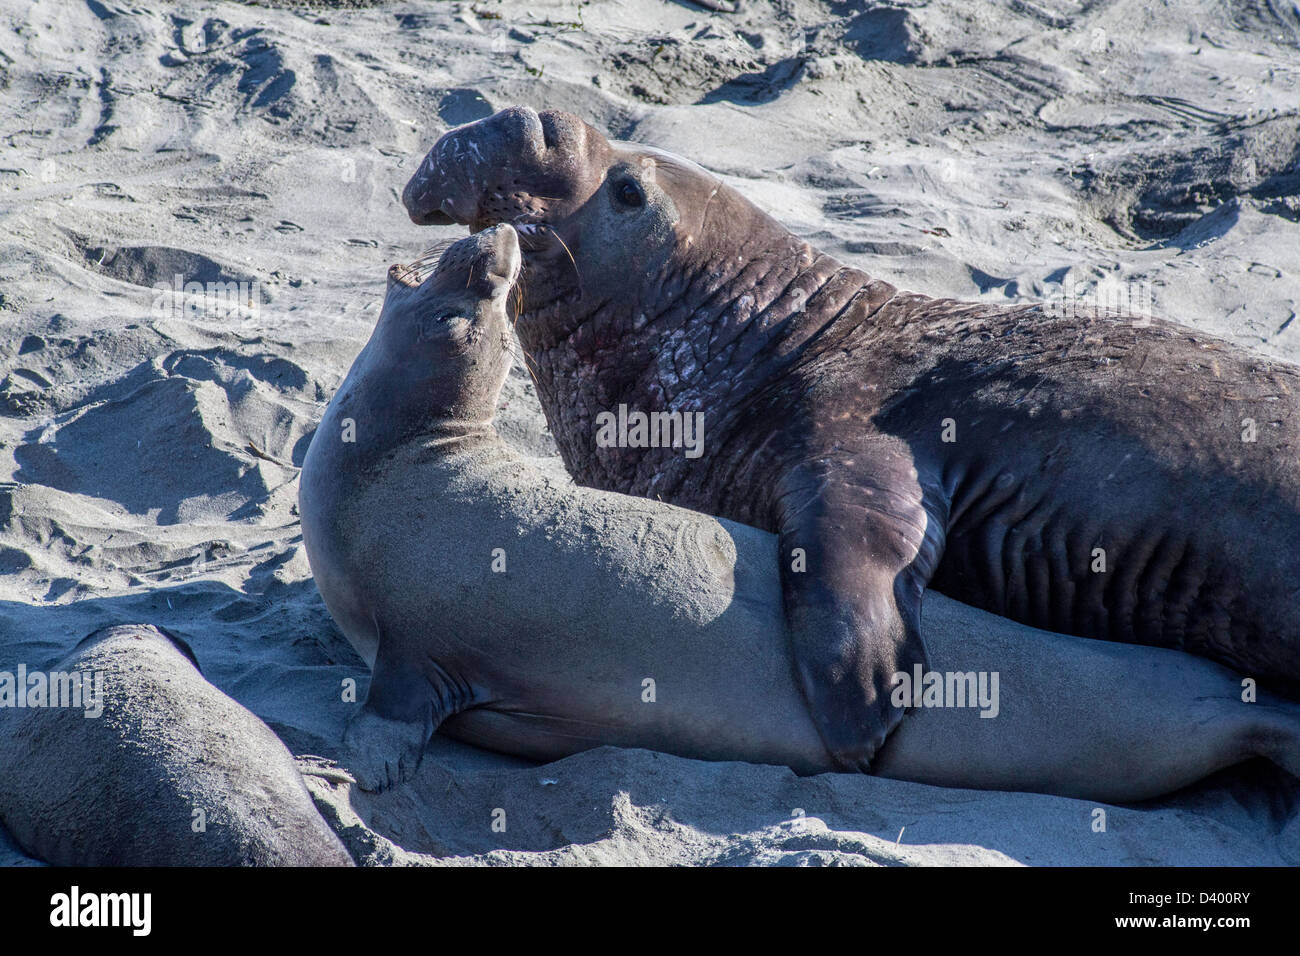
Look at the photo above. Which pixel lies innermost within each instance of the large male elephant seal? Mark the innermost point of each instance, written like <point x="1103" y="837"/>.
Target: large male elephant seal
<point x="1084" y="472"/>
<point x="516" y="611"/>
<point x="142" y="762"/>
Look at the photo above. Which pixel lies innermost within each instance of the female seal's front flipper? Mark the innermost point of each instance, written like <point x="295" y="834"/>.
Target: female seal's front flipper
<point x="404" y="707"/>
<point x="855" y="559"/>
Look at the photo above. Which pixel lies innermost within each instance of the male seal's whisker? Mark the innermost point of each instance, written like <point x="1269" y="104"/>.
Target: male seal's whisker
<point x="576" y="272"/>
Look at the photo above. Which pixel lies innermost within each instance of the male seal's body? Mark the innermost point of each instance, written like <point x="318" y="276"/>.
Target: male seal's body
<point x="1083" y="472"/>
<point x="519" y="612"/>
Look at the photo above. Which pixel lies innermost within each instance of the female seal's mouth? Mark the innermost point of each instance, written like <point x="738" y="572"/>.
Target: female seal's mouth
<point x="535" y="235"/>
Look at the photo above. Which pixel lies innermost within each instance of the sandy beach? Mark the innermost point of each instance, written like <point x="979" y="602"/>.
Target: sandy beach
<point x="198" y="203"/>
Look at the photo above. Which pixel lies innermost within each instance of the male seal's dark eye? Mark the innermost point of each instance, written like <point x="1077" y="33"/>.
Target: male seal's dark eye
<point x="629" y="193"/>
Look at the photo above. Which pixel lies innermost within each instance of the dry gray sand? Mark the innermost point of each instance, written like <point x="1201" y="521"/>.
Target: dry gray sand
<point x="1001" y="150"/>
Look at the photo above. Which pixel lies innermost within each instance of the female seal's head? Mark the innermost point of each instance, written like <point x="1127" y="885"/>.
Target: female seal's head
<point x="446" y="334"/>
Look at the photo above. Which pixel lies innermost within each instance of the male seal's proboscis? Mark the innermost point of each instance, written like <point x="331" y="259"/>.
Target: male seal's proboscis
<point x="513" y="610"/>
<point x="1081" y="471"/>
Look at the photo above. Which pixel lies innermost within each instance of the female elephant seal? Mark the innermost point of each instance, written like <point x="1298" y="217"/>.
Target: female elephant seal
<point x="1088" y="473"/>
<point x="516" y="611"/>
<point x="150" y="765"/>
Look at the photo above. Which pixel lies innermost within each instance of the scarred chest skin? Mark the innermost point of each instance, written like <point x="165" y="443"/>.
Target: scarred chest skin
<point x="1079" y="471"/>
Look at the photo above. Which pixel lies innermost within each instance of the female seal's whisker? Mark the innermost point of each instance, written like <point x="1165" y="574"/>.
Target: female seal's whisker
<point x="514" y="324"/>
<point x="519" y="298"/>
<point x="416" y="267"/>
<point x="525" y="358"/>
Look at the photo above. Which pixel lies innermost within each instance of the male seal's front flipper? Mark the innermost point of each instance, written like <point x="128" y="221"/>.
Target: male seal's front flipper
<point x="403" y="708"/>
<point x="855" y="559"/>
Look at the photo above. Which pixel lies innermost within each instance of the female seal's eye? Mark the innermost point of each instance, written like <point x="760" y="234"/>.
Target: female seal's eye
<point x="437" y="325"/>
<point x="629" y="193"/>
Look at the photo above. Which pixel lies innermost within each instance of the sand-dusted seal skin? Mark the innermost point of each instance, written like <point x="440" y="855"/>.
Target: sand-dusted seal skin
<point x="171" y="772"/>
<point x="1080" y="471"/>
<point x="519" y="612"/>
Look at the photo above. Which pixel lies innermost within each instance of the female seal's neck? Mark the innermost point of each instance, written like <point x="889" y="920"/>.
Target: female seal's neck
<point x="449" y="433"/>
